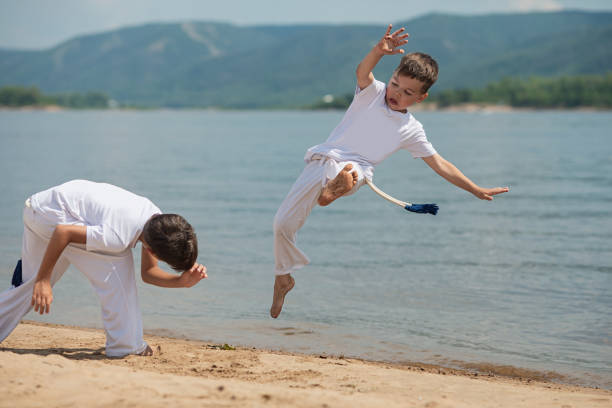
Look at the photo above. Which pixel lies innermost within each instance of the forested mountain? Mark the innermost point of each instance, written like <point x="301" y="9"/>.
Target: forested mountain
<point x="213" y="64"/>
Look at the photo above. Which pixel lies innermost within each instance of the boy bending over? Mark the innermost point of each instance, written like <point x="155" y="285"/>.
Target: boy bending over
<point x="376" y="124"/>
<point x="94" y="226"/>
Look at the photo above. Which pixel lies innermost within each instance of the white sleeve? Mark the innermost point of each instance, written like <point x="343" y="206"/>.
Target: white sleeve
<point x="102" y="238"/>
<point x="417" y="144"/>
<point x="370" y="92"/>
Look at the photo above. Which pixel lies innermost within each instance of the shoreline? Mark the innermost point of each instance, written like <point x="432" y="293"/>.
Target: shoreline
<point x="424" y="107"/>
<point x="41" y="361"/>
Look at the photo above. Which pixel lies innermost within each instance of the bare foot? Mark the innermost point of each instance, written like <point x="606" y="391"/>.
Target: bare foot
<point x="146" y="352"/>
<point x="336" y="188"/>
<point x="282" y="285"/>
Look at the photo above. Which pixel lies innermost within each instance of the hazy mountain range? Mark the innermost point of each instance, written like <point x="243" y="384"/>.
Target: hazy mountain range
<point x="225" y="65"/>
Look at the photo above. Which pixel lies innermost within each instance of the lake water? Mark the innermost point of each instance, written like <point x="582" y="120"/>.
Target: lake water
<point x="525" y="280"/>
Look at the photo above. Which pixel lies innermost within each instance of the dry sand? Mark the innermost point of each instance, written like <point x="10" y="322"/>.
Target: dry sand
<point x="45" y="365"/>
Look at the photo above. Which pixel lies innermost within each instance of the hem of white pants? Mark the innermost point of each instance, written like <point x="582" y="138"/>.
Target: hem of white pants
<point x="140" y="350"/>
<point x="286" y="271"/>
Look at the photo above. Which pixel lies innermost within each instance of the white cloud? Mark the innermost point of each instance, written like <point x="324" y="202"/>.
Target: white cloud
<point x="537" y="5"/>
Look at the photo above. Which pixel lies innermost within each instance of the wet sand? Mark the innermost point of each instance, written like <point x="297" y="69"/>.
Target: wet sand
<point x="51" y="365"/>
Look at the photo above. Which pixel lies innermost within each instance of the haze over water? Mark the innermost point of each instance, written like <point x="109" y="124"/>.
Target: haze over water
<point x="525" y="280"/>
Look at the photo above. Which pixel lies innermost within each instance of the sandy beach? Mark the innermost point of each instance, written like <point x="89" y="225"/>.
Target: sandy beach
<point x="44" y="365"/>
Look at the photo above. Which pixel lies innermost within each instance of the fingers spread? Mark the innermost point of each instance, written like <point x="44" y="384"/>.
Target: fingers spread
<point x="397" y="32"/>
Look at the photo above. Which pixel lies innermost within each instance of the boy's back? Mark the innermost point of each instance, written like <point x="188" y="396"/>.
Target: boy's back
<point x="114" y="217"/>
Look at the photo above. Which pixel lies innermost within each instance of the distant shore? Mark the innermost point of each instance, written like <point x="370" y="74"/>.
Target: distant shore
<point x="494" y="108"/>
<point x="53" y="365"/>
<point x="425" y="107"/>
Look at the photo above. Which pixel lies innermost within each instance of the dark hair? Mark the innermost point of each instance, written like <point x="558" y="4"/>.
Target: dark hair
<point x="172" y="240"/>
<point x="419" y="66"/>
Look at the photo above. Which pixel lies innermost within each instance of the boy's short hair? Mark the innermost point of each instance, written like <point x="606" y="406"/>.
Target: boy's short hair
<point x="419" y="66"/>
<point x="172" y="240"/>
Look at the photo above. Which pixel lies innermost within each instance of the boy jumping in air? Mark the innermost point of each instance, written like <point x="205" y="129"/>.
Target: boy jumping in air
<point x="94" y="226"/>
<point x="376" y="124"/>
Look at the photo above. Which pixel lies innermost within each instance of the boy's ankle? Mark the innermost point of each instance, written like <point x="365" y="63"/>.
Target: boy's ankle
<point x="283" y="280"/>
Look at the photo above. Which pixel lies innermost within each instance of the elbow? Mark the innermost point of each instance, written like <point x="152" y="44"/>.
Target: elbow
<point x="361" y="76"/>
<point x="61" y="235"/>
<point x="145" y="277"/>
<point x="60" y="230"/>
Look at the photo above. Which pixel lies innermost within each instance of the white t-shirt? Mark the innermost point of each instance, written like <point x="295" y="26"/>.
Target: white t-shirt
<point x="370" y="131"/>
<point x="114" y="217"/>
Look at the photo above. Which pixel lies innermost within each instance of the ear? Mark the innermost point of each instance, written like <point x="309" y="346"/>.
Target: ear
<point x="422" y="97"/>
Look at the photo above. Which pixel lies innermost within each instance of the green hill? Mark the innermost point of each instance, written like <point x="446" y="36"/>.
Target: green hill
<point x="224" y="65"/>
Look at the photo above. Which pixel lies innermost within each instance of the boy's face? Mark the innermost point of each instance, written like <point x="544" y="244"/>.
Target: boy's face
<point x="403" y="91"/>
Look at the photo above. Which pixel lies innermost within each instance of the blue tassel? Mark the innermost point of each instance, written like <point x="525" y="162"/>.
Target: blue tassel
<point x="423" y="208"/>
<point x="17" y="279"/>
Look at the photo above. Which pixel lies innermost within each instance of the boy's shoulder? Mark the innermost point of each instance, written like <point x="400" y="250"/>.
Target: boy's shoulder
<point x="375" y="86"/>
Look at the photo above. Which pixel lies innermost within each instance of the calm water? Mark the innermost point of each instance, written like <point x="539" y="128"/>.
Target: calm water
<point x="525" y="280"/>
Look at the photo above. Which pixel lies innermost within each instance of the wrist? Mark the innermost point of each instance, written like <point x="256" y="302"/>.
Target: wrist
<point x="376" y="51"/>
<point x="43" y="279"/>
<point x="181" y="282"/>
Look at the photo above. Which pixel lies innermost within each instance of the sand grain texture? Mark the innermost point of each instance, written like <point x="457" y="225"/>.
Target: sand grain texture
<point x="51" y="366"/>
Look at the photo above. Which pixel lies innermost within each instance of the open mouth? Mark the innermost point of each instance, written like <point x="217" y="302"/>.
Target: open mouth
<point x="392" y="101"/>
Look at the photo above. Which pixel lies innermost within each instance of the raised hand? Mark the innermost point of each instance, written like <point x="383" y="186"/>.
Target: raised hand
<point x="389" y="44"/>
<point x="193" y="276"/>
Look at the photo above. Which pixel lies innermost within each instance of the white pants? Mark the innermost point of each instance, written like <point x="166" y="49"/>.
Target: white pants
<point x="112" y="276"/>
<point x="298" y="204"/>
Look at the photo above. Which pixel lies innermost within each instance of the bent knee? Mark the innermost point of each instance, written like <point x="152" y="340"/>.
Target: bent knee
<point x="284" y="225"/>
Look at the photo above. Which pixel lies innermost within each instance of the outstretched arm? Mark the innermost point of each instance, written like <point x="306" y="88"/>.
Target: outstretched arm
<point x="388" y="45"/>
<point x="453" y="175"/>
<point x="154" y="275"/>
<point x="42" y="295"/>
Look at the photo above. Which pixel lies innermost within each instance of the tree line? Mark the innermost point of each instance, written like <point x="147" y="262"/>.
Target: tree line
<point x="17" y="96"/>
<point x="534" y="92"/>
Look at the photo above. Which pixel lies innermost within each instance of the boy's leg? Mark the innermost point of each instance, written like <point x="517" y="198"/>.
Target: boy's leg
<point x="320" y="177"/>
<point x="15" y="303"/>
<point x="112" y="276"/>
<point x="289" y="218"/>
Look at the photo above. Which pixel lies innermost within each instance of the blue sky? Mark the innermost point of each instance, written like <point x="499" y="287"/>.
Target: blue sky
<point x="35" y="24"/>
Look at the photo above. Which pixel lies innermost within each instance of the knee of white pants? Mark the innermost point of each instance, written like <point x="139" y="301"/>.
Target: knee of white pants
<point x="283" y="224"/>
